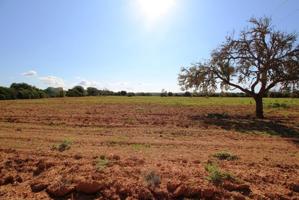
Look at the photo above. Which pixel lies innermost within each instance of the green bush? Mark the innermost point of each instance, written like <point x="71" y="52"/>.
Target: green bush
<point x="216" y="176"/>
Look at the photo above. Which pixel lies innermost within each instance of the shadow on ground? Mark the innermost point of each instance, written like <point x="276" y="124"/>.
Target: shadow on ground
<point x="247" y="124"/>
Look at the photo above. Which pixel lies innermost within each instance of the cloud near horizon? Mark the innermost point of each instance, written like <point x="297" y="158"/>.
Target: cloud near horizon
<point x="52" y="81"/>
<point x="30" y="73"/>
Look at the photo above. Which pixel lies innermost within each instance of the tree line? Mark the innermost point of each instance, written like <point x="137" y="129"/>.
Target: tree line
<point x="26" y="91"/>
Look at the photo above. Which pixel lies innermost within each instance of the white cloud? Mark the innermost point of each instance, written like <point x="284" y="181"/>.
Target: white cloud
<point x="30" y="73"/>
<point x="86" y="83"/>
<point x="52" y="81"/>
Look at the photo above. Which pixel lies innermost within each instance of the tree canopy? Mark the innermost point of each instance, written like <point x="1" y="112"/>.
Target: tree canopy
<point x="259" y="59"/>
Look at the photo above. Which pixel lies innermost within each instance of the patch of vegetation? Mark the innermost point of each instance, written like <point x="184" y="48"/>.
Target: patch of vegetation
<point x="217" y="115"/>
<point x="216" y="176"/>
<point x="225" y="156"/>
<point x="102" y="163"/>
<point x="152" y="179"/>
<point x="139" y="147"/>
<point x="63" y="146"/>
<point x="278" y="105"/>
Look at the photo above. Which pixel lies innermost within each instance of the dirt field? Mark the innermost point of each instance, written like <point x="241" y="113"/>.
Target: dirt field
<point x="148" y="148"/>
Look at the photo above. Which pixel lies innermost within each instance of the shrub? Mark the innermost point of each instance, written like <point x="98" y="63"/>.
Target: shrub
<point x="278" y="105"/>
<point x="102" y="163"/>
<point x="152" y="179"/>
<point x="139" y="147"/>
<point x="63" y="146"/>
<point x="225" y="156"/>
<point x="216" y="176"/>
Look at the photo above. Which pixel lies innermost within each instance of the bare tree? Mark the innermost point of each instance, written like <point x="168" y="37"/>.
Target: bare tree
<point x="260" y="59"/>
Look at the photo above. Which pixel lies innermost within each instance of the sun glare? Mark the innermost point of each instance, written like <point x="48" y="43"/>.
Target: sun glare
<point x="154" y="10"/>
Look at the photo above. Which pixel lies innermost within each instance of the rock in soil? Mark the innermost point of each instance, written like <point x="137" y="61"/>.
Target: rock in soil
<point x="89" y="186"/>
<point x="242" y="188"/>
<point x="294" y="187"/>
<point x="38" y="186"/>
<point x="59" y="190"/>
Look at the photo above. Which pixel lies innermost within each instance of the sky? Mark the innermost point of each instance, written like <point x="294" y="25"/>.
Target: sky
<point x="132" y="45"/>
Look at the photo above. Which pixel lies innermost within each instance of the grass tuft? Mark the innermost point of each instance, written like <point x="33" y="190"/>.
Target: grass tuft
<point x="216" y="176"/>
<point x="102" y="163"/>
<point x="225" y="156"/>
<point x="63" y="146"/>
<point x="278" y="105"/>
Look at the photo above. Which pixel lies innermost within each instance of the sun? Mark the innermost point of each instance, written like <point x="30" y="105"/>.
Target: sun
<point x="154" y="10"/>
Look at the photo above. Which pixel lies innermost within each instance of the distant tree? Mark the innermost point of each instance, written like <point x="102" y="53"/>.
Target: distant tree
<point x="131" y="94"/>
<point x="26" y="91"/>
<point x="54" y="92"/>
<point x="163" y="93"/>
<point x="91" y="91"/>
<point x="122" y="93"/>
<point x="6" y="93"/>
<point x="187" y="94"/>
<point x="143" y="94"/>
<point x="105" y="92"/>
<point x="21" y="86"/>
<point x="77" y="91"/>
<point x="260" y="59"/>
<point x="170" y="94"/>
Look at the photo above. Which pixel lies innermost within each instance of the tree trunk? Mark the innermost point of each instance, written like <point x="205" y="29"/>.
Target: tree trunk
<point x="259" y="109"/>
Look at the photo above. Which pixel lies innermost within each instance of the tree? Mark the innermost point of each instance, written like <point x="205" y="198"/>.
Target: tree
<point x="187" y="94"/>
<point x="77" y="91"/>
<point x="54" y="92"/>
<point x="91" y="91"/>
<point x="163" y="93"/>
<point x="131" y="94"/>
<point x="6" y="93"/>
<point x="261" y="58"/>
<point x="122" y="93"/>
<point x="25" y="91"/>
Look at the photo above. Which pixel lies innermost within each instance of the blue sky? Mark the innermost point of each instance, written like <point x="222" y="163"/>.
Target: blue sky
<point x="134" y="45"/>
